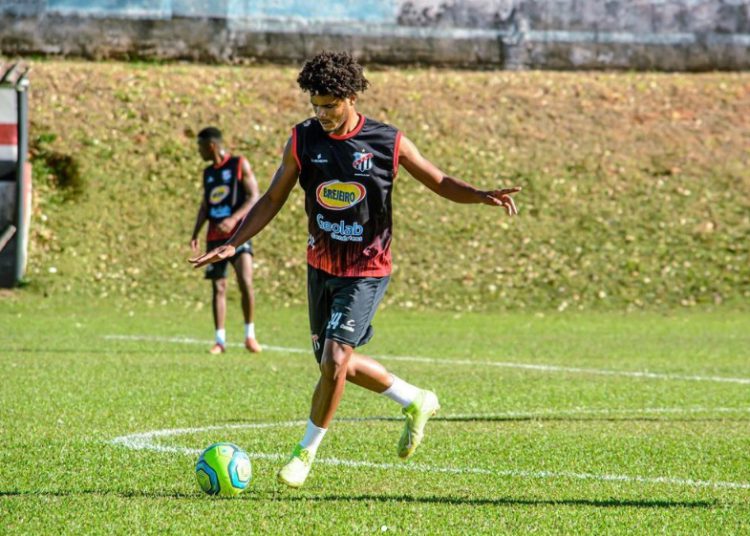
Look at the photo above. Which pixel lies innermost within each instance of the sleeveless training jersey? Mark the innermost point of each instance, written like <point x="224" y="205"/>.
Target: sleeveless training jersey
<point x="223" y="193"/>
<point x="348" y="181"/>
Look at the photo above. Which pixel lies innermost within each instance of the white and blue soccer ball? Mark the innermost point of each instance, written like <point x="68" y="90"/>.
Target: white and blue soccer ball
<point x="223" y="469"/>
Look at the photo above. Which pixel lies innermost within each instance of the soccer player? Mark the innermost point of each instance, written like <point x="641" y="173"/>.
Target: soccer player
<point x="229" y="191"/>
<point x="346" y="164"/>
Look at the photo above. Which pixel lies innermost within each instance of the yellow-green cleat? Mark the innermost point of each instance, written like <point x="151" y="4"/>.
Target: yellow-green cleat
<point x="295" y="472"/>
<point x="417" y="413"/>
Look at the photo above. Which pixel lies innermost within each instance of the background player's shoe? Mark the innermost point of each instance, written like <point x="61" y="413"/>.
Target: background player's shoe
<point x="417" y="413"/>
<point x="253" y="346"/>
<point x="295" y="472"/>
<point x="217" y="348"/>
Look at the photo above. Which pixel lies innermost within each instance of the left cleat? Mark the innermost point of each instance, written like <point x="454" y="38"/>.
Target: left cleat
<point x="217" y="348"/>
<point x="417" y="414"/>
<point x="295" y="472"/>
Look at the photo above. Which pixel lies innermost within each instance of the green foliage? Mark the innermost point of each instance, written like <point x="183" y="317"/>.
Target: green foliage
<point x="636" y="186"/>
<point x="60" y="172"/>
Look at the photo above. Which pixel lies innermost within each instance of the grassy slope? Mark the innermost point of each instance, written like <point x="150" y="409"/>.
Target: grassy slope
<point x="636" y="186"/>
<point x="67" y="390"/>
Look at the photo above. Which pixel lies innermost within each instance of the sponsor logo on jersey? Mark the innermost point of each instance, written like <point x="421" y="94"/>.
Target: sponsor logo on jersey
<point x="218" y="194"/>
<point x="220" y="212"/>
<point x="319" y="159"/>
<point x="335" y="195"/>
<point x="362" y="161"/>
<point x="342" y="231"/>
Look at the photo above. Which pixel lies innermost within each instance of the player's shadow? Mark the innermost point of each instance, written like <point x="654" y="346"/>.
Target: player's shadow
<point x="126" y="494"/>
<point x="502" y="501"/>
<point x="568" y="418"/>
<point x="284" y="496"/>
<point x="593" y="417"/>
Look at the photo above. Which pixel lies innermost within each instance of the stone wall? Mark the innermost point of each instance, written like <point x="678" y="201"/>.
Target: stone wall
<point x="689" y="35"/>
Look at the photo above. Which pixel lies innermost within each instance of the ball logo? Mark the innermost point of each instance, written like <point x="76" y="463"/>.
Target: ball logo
<point x="335" y="195"/>
<point x="218" y="194"/>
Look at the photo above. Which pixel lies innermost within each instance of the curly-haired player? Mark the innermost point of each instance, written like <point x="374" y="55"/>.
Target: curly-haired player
<point x="346" y="164"/>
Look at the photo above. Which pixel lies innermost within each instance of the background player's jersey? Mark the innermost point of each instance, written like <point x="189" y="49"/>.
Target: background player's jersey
<point x="348" y="182"/>
<point x="223" y="193"/>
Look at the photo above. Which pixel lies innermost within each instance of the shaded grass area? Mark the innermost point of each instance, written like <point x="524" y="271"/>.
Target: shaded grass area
<point x="636" y="186"/>
<point x="528" y="450"/>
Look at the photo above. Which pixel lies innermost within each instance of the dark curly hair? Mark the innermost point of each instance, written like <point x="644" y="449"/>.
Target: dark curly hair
<point x="332" y="73"/>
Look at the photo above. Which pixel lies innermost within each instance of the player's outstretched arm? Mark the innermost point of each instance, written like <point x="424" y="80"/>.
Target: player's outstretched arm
<point x="450" y="187"/>
<point x="200" y="219"/>
<point x="261" y="212"/>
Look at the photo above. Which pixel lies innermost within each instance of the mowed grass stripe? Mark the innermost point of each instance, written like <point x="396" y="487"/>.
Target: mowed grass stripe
<point x="437" y="361"/>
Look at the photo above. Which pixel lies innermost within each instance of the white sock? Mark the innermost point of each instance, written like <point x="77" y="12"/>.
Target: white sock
<point x="250" y="330"/>
<point x="221" y="336"/>
<point x="401" y="392"/>
<point x="313" y="437"/>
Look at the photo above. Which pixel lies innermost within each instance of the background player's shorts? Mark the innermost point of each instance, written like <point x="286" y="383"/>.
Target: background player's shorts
<point x="218" y="270"/>
<point x="341" y="308"/>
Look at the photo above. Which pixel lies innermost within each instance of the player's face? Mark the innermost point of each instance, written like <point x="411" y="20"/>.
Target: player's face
<point x="332" y="112"/>
<point x="206" y="149"/>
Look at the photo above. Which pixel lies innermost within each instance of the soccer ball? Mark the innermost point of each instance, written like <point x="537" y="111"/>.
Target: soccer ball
<point x="223" y="469"/>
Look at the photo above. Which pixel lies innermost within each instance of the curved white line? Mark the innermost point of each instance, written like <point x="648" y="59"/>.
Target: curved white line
<point x="144" y="441"/>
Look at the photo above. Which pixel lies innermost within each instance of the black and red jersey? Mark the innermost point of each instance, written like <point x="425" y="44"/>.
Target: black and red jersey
<point x="223" y="193"/>
<point x="348" y="182"/>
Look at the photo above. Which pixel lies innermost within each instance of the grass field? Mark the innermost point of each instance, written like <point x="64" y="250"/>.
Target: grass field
<point x="603" y="390"/>
<point x="549" y="424"/>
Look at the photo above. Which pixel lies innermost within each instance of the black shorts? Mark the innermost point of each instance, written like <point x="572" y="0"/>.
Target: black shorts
<point x="218" y="270"/>
<point x="341" y="308"/>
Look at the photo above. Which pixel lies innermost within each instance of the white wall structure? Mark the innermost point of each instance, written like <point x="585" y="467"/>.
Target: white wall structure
<point x="547" y="34"/>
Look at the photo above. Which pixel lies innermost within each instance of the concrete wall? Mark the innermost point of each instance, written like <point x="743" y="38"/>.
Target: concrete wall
<point x="515" y="34"/>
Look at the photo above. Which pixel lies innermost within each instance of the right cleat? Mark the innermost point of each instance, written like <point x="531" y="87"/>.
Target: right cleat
<point x="252" y="346"/>
<point x="295" y="472"/>
<point x="417" y="414"/>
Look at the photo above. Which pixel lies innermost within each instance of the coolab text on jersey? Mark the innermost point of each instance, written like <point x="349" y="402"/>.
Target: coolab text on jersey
<point x="348" y="181"/>
<point x="223" y="192"/>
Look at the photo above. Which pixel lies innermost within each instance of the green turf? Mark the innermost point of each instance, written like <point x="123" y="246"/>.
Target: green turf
<point x="67" y="392"/>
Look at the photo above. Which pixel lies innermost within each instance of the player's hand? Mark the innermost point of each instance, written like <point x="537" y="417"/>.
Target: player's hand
<point x="215" y="255"/>
<point x="502" y="198"/>
<point x="227" y="225"/>
<point x="194" y="245"/>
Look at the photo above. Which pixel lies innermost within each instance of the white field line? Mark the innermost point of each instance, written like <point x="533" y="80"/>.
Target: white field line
<point x="540" y="414"/>
<point x="467" y="362"/>
<point x="145" y="441"/>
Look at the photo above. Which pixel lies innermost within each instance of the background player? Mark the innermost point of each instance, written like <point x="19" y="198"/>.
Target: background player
<point x="346" y="164"/>
<point x="229" y="191"/>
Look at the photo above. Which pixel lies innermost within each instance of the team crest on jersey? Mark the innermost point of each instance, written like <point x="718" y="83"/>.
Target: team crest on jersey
<point x="335" y="195"/>
<point x="362" y="161"/>
<point x="226" y="175"/>
<point x="218" y="194"/>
